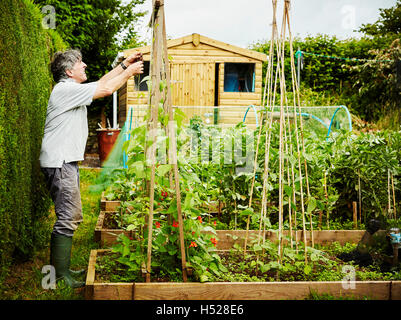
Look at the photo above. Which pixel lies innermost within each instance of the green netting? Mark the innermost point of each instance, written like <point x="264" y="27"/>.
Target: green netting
<point x="116" y="160"/>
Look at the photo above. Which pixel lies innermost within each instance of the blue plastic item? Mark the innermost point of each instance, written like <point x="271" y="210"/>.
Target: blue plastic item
<point x="231" y="82"/>
<point x="256" y="114"/>
<point x="332" y="119"/>
<point x="127" y="138"/>
<point x="395" y="238"/>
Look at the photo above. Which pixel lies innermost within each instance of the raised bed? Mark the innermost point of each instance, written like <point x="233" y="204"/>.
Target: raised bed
<point x="107" y="236"/>
<point x="376" y="290"/>
<point x="108" y="205"/>
<point x="227" y="238"/>
<point x="112" y="205"/>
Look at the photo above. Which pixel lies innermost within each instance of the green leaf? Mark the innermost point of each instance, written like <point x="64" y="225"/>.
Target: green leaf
<point x="264" y="268"/>
<point x="126" y="251"/>
<point x="307" y="269"/>
<point x="163" y="169"/>
<point x="311" y="205"/>
<point x="209" y="229"/>
<point x="131" y="227"/>
<point x="203" y="278"/>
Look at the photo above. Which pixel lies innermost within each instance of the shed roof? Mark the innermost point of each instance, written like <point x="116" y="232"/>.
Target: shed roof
<point x="196" y="39"/>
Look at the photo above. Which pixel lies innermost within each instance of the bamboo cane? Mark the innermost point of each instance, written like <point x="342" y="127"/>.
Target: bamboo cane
<point x="296" y="95"/>
<point x="388" y="193"/>
<point x="173" y="149"/>
<point x="327" y="200"/>
<point x="155" y="98"/>
<point x="392" y="186"/>
<point x="267" y="85"/>
<point x="359" y="196"/>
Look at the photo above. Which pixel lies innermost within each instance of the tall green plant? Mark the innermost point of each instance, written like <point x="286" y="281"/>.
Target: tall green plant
<point x="25" y="83"/>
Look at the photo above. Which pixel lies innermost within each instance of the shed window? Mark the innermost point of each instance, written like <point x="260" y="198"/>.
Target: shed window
<point x="239" y="77"/>
<point x="142" y="86"/>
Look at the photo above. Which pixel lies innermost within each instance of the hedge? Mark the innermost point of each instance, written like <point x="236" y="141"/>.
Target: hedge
<point x="25" y="85"/>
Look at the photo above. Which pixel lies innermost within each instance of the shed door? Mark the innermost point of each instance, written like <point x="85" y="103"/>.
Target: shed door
<point x="193" y="84"/>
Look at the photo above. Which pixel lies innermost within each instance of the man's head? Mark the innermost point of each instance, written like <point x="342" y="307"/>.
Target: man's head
<point x="68" y="64"/>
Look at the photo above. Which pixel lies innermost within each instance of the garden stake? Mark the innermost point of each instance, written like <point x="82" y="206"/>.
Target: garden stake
<point x="281" y="145"/>
<point x="392" y="186"/>
<point x="388" y="192"/>
<point x="327" y="200"/>
<point x="173" y="149"/>
<point x="266" y="169"/>
<point x="264" y="115"/>
<point x="359" y="196"/>
<point x="296" y="95"/>
<point x="155" y="98"/>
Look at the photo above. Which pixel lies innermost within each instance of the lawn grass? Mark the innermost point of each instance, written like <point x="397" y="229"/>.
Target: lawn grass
<point x="24" y="281"/>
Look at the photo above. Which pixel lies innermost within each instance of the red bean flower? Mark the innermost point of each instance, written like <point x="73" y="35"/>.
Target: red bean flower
<point x="200" y="219"/>
<point x="175" y="224"/>
<point x="214" y="241"/>
<point x="157" y="224"/>
<point x="193" y="244"/>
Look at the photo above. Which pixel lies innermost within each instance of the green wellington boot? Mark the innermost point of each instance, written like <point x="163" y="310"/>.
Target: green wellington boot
<point x="60" y="257"/>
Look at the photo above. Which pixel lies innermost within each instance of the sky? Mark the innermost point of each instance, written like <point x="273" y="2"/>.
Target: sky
<point x="244" y="22"/>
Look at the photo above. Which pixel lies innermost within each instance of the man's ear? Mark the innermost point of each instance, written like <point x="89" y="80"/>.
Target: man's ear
<point x="68" y="72"/>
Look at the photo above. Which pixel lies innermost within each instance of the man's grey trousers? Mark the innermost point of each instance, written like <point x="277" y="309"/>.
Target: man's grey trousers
<point x="63" y="184"/>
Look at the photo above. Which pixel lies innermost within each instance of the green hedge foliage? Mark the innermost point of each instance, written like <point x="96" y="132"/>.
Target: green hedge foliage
<point x="25" y="85"/>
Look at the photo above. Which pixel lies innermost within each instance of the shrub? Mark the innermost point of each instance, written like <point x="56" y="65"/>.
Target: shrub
<point x="25" y="84"/>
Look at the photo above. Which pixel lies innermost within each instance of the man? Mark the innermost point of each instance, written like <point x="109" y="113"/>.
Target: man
<point x="64" y="141"/>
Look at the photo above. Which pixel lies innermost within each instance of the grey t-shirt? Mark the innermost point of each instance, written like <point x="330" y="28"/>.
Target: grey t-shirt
<point x="66" y="127"/>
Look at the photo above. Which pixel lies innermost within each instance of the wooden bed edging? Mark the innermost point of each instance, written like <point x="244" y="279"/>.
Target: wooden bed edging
<point x="108" y="205"/>
<point x="227" y="238"/>
<point x="376" y="290"/>
<point x="113" y="205"/>
<point x="107" y="237"/>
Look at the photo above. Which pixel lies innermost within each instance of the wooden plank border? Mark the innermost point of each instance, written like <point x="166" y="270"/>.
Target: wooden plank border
<point x="376" y="290"/>
<point x="107" y="237"/>
<point x="227" y="238"/>
<point x="108" y="205"/>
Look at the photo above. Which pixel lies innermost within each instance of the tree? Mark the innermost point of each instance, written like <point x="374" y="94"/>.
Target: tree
<point x="378" y="82"/>
<point x="379" y="85"/>
<point x="99" y="28"/>
<point x="387" y="27"/>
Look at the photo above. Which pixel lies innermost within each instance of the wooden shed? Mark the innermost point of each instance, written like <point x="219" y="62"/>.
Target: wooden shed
<point x="210" y="78"/>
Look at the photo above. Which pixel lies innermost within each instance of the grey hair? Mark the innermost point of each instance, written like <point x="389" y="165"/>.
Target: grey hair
<point x="64" y="61"/>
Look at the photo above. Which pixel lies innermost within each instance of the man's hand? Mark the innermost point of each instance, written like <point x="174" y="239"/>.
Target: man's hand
<point x="135" y="57"/>
<point x="106" y="86"/>
<point x="136" y="68"/>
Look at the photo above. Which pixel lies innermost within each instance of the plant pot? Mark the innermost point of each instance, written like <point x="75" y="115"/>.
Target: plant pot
<point x="106" y="139"/>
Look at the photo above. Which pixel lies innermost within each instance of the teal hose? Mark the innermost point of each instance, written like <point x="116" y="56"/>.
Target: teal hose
<point x="332" y="119"/>
<point x="256" y="114"/>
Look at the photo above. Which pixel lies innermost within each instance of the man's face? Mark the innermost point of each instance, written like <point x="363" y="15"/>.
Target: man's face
<point x="78" y="72"/>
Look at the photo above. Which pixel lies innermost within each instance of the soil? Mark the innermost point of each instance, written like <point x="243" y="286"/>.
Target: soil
<point x="110" y="222"/>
